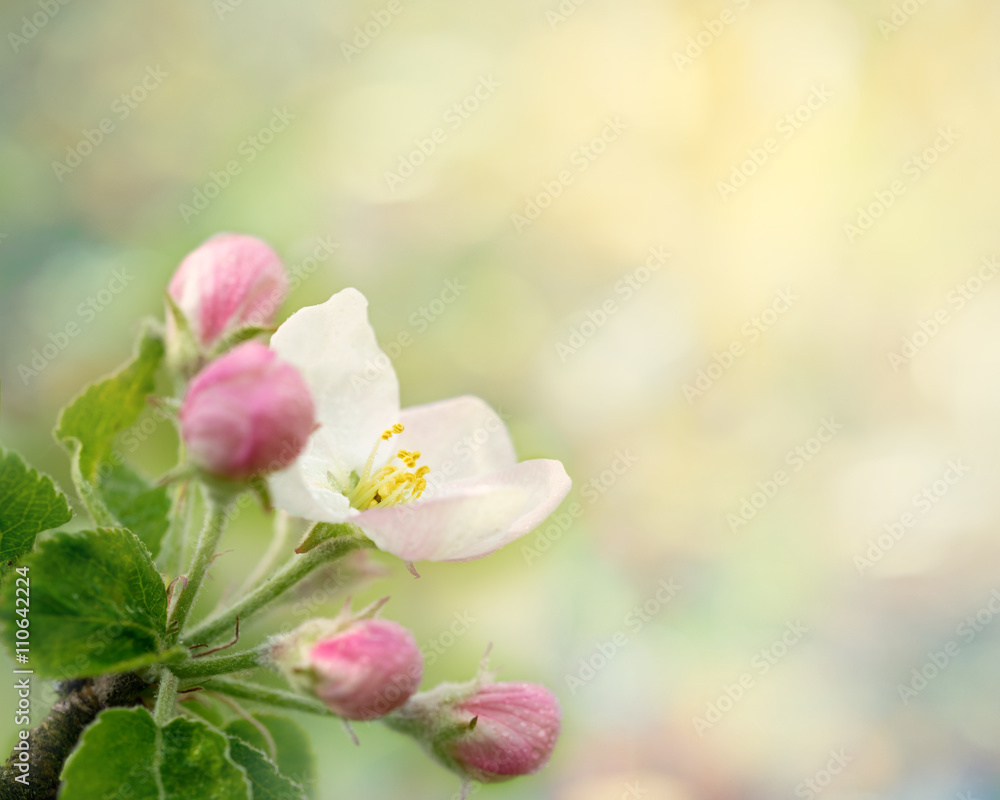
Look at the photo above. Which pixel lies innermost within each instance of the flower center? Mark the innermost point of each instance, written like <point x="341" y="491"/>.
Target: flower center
<point x="390" y="484"/>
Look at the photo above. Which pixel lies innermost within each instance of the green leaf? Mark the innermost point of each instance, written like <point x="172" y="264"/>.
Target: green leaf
<point x="143" y="509"/>
<point x="294" y="753"/>
<point x="97" y="605"/>
<point x="124" y="754"/>
<point x="29" y="504"/>
<point x="267" y="782"/>
<point x="89" y="424"/>
<point x="113" y="492"/>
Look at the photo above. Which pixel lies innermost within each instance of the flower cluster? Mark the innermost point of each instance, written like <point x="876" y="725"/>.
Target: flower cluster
<point x="338" y="451"/>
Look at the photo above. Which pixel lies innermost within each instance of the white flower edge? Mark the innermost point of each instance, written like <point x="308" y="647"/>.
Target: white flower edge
<point x="478" y="497"/>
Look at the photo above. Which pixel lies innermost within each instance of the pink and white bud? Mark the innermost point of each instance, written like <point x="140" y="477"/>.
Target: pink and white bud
<point x="232" y="281"/>
<point x="516" y="728"/>
<point x="247" y="413"/>
<point x="484" y="731"/>
<point x="361" y="669"/>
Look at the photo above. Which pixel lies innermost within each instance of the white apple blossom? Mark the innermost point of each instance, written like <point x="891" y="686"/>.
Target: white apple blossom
<point x="438" y="482"/>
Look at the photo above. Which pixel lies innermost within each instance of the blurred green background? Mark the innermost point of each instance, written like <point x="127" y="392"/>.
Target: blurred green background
<point x="823" y="176"/>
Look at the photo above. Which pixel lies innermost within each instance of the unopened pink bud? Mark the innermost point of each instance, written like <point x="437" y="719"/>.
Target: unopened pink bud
<point x="247" y="413"/>
<point x="484" y="731"/>
<point x="232" y="281"/>
<point x="361" y="668"/>
<point x="516" y="728"/>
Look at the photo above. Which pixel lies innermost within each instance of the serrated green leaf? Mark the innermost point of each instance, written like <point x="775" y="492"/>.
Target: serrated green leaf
<point x="112" y="491"/>
<point x="125" y="754"/>
<point x="89" y="424"/>
<point x="98" y="605"/>
<point x="29" y="504"/>
<point x="267" y="782"/>
<point x="294" y="753"/>
<point x="135" y="504"/>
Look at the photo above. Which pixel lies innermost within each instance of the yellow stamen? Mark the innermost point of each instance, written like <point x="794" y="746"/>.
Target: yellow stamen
<point x="388" y="485"/>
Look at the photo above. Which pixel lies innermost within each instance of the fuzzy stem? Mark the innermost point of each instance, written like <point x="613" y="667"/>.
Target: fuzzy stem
<point x="265" y="694"/>
<point x="172" y="553"/>
<point x="218" y="665"/>
<point x="215" y="523"/>
<point x="279" y="543"/>
<point x="166" y="697"/>
<point x="294" y="571"/>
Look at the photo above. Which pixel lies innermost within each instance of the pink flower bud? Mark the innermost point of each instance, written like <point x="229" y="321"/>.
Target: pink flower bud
<point x="361" y="669"/>
<point x="230" y="282"/>
<point x="247" y="413"/>
<point x="516" y="728"/>
<point x="488" y="732"/>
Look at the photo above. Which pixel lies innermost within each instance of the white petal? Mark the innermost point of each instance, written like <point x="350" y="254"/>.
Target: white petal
<point x="303" y="489"/>
<point x="353" y="383"/>
<point x="458" y="438"/>
<point x="470" y="518"/>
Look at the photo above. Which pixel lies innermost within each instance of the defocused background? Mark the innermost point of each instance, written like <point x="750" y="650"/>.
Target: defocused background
<point x="730" y="261"/>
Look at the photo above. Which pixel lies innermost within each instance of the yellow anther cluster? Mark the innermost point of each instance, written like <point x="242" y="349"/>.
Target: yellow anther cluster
<point x="409" y="457"/>
<point x="389" y="485"/>
<point x="387" y="434"/>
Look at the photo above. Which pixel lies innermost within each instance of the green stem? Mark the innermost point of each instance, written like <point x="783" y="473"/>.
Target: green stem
<point x="295" y="570"/>
<point x="218" y="665"/>
<point x="215" y="523"/>
<point x="165" y="698"/>
<point x="264" y="694"/>
<point x="279" y="543"/>
<point x="172" y="553"/>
